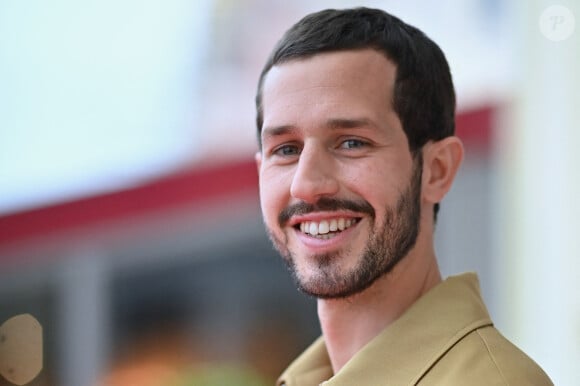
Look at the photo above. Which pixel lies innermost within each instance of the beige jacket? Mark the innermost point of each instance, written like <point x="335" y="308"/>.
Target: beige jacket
<point x="446" y="338"/>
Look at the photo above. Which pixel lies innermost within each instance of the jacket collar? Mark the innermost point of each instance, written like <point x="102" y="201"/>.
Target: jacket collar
<point x="403" y="352"/>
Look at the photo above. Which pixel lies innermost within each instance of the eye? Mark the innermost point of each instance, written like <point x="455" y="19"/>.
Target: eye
<point x="286" y="150"/>
<point x="353" y="144"/>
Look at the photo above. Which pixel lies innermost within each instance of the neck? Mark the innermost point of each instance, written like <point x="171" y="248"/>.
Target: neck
<point x="349" y="324"/>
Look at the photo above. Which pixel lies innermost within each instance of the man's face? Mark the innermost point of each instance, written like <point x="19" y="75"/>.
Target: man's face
<point x="340" y="192"/>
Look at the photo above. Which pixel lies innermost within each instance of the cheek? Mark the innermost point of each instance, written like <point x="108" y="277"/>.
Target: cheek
<point x="273" y="195"/>
<point x="380" y="184"/>
<point x="266" y="202"/>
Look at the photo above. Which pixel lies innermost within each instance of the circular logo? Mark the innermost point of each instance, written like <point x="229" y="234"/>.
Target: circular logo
<point x="557" y="23"/>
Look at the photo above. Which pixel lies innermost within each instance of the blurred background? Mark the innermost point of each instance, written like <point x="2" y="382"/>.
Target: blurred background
<point x="129" y="213"/>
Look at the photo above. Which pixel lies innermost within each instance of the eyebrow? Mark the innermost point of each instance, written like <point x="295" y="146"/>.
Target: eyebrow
<point x="347" y="123"/>
<point x="274" y="131"/>
<point x="334" y="123"/>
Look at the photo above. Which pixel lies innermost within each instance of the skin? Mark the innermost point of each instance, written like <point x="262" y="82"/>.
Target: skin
<point x="330" y="132"/>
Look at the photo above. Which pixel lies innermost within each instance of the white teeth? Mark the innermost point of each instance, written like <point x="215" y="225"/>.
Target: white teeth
<point x="313" y="229"/>
<point x="333" y="225"/>
<point x="324" y="227"/>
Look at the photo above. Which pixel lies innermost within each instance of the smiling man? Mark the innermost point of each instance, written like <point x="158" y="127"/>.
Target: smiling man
<point x="357" y="148"/>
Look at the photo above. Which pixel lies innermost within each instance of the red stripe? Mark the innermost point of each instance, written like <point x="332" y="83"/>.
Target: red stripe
<point x="173" y="191"/>
<point x="475" y="128"/>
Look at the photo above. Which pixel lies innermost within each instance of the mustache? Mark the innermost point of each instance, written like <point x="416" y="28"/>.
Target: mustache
<point x="324" y="204"/>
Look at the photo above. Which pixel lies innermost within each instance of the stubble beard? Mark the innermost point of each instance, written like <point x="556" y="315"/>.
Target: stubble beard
<point x="387" y="245"/>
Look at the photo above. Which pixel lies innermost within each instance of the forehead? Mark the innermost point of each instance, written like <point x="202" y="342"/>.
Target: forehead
<point x="354" y="83"/>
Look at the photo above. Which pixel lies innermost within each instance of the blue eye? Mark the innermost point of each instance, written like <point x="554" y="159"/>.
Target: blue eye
<point x="352" y="144"/>
<point x="287" y="150"/>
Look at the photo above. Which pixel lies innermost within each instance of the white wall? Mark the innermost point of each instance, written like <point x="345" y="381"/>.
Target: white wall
<point x="538" y="212"/>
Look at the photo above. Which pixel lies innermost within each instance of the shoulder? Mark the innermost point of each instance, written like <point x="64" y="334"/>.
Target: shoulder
<point x="485" y="357"/>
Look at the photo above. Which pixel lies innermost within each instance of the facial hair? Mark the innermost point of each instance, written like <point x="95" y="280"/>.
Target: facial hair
<point x="386" y="246"/>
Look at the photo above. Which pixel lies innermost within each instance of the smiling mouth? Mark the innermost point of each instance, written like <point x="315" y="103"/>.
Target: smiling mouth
<point x="326" y="229"/>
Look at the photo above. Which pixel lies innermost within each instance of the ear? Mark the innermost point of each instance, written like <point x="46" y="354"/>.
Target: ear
<point x="258" y="159"/>
<point x="441" y="160"/>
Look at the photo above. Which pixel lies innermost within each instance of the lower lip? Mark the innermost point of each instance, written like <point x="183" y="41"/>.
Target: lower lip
<point x="325" y="245"/>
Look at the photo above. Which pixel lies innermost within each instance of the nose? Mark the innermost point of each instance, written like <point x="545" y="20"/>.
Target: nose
<point x="315" y="176"/>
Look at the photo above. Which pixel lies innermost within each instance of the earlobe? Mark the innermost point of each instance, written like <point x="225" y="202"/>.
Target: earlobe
<point x="441" y="161"/>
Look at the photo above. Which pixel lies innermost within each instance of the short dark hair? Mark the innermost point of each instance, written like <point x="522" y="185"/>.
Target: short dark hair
<point x="423" y="95"/>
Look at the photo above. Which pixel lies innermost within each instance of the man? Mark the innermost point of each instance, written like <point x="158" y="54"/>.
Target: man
<point x="357" y="147"/>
